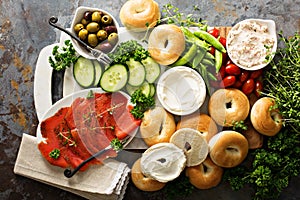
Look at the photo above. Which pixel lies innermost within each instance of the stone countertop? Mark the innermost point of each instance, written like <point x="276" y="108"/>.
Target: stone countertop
<point x="24" y="31"/>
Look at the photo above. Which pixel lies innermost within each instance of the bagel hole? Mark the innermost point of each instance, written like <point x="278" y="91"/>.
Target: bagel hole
<point x="162" y="160"/>
<point x="166" y="43"/>
<point x="187" y="146"/>
<point x="232" y="149"/>
<point x="228" y="105"/>
<point x="205" y="168"/>
<point x="160" y="128"/>
<point x="275" y="116"/>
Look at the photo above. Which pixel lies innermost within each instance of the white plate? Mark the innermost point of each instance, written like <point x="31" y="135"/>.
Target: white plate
<point x="67" y="101"/>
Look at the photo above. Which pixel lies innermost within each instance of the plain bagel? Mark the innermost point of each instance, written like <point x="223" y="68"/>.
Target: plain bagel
<point x="227" y="106"/>
<point x="163" y="162"/>
<point x="157" y="126"/>
<point x="265" y="120"/>
<point x="138" y="15"/>
<point x="192" y="143"/>
<point x="143" y="182"/>
<point x="201" y="122"/>
<point x="228" y="148"/>
<point x="206" y="175"/>
<point x="166" y="43"/>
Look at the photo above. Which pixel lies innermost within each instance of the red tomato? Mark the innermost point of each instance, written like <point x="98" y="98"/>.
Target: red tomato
<point x="229" y="62"/>
<point x="214" y="32"/>
<point x="248" y="87"/>
<point x="238" y="84"/>
<point x="256" y="74"/>
<point x="224" y="58"/>
<point x="228" y="81"/>
<point x="222" y="40"/>
<point x="258" y="88"/>
<point x="212" y="50"/>
<point x="232" y="69"/>
<point x="222" y="71"/>
<point x="244" y="76"/>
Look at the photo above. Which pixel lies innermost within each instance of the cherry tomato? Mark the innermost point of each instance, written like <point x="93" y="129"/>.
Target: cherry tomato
<point x="228" y="81"/>
<point x="256" y="74"/>
<point x="222" y="71"/>
<point x="232" y="69"/>
<point x="258" y="88"/>
<point x="238" y="84"/>
<point x="224" y="58"/>
<point x="222" y="40"/>
<point x="244" y="76"/>
<point x="214" y="32"/>
<point x="248" y="86"/>
<point x="212" y="50"/>
<point x="229" y="61"/>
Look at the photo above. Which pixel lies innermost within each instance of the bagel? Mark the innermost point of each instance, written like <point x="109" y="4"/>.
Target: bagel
<point x="227" y="106"/>
<point x="254" y="138"/>
<point x="206" y="175"/>
<point x="138" y="15"/>
<point x="192" y="143"/>
<point x="228" y="148"/>
<point x="163" y="162"/>
<point x="166" y="43"/>
<point x="157" y="126"/>
<point x="201" y="122"/>
<point x="141" y="181"/>
<point x="264" y="119"/>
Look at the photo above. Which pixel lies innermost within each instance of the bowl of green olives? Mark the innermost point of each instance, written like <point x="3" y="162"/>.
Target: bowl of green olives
<point x="97" y="28"/>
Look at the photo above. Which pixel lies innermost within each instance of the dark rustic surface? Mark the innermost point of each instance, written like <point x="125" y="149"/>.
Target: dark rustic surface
<point x="24" y="31"/>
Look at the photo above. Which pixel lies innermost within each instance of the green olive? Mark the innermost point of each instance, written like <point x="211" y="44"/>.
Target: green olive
<point x="78" y="27"/>
<point x="84" y="21"/>
<point x="96" y="16"/>
<point x="92" y="39"/>
<point x="93" y="27"/>
<point x="106" y="19"/>
<point x="113" y="38"/>
<point x="82" y="34"/>
<point x="102" y="35"/>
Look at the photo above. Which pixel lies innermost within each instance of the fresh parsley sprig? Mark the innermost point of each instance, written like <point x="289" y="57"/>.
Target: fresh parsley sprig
<point x="141" y="103"/>
<point x="63" y="57"/>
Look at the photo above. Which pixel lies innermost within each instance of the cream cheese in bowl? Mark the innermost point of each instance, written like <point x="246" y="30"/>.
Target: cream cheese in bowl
<point x="251" y="43"/>
<point x="181" y="90"/>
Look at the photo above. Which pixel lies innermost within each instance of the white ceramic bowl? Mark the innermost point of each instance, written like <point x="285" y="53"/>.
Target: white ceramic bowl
<point x="77" y="19"/>
<point x="181" y="90"/>
<point x="238" y="44"/>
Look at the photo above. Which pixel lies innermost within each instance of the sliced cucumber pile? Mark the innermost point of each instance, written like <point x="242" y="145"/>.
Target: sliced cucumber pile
<point x="131" y="76"/>
<point x="87" y="72"/>
<point x="140" y="75"/>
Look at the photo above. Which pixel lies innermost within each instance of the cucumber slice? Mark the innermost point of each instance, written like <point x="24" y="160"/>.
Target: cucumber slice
<point x="145" y="88"/>
<point x="130" y="89"/>
<point x="152" y="90"/>
<point x="152" y="69"/>
<point x="84" y="72"/>
<point x="137" y="72"/>
<point x="98" y="72"/>
<point x="114" y="78"/>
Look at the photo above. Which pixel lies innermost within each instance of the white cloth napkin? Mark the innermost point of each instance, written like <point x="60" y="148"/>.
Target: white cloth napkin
<point x="107" y="181"/>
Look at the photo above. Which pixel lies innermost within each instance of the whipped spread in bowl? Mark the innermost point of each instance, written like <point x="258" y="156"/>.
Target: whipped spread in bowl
<point x="251" y="43"/>
<point x="181" y="90"/>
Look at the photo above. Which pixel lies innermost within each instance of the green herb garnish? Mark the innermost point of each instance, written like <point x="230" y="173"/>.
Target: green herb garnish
<point x="90" y="94"/>
<point x="63" y="57"/>
<point x="116" y="144"/>
<point x="55" y="153"/>
<point x="142" y="103"/>
<point x="127" y="50"/>
<point x="239" y="126"/>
